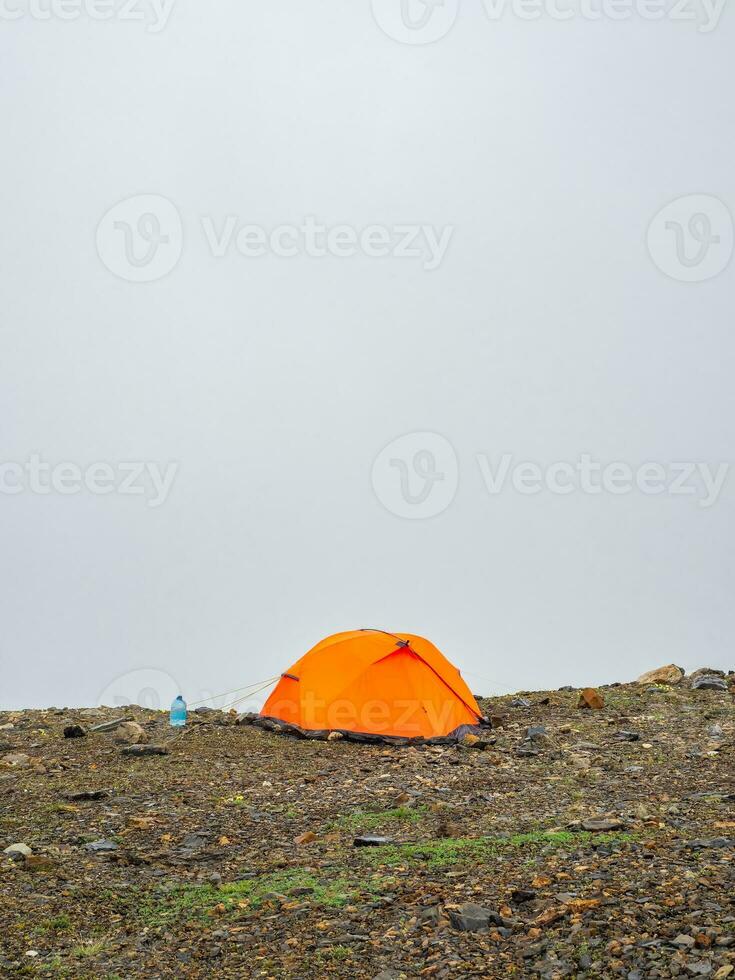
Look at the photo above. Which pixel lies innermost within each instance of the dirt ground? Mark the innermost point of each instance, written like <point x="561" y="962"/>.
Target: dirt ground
<point x="601" y="845"/>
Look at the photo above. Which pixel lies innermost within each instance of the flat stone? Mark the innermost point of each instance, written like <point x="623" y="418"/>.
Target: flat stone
<point x="471" y="917"/>
<point x="145" y="750"/>
<point x="96" y="794"/>
<point x="109" y="726"/>
<point x="101" y="847"/>
<point x="709" y="683"/>
<point x="23" y="850"/>
<point x="602" y="824"/>
<point x="370" y="840"/>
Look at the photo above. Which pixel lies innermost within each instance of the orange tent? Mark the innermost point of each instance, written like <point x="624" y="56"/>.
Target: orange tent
<point x="373" y="684"/>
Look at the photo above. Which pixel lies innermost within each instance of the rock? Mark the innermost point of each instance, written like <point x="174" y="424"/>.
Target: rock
<point x="683" y="941"/>
<point x="520" y="703"/>
<point x="641" y="812"/>
<point x="537" y="732"/>
<point x="108" y="726"/>
<point x="715" y="731"/>
<point x="627" y="736"/>
<point x="498" y="721"/>
<point x="16" y="759"/>
<point x="37" y="862"/>
<point x="710" y="842"/>
<point x="709" y="682"/>
<point x="8" y="726"/>
<point x="671" y="674"/>
<point x="601" y="824"/>
<point x="247" y="718"/>
<point x="431" y="916"/>
<point x="21" y="850"/>
<point x="520" y="895"/>
<point x="130" y="733"/>
<point x="192" y="843"/>
<point x="590" y="698"/>
<point x="706" y="671"/>
<point x="308" y="838"/>
<point x="470" y="741"/>
<point x="369" y="840"/>
<point x="139" y="750"/>
<point x="335" y="736"/>
<point x="101" y="847"/>
<point x="74" y="731"/>
<point x="550" y="916"/>
<point x="96" y="794"/>
<point x="471" y="917"/>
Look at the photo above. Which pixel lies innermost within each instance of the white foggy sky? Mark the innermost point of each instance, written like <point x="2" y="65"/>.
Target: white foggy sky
<point x="547" y="332"/>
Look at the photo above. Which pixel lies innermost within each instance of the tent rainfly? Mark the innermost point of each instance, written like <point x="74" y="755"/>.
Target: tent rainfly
<point x="371" y="685"/>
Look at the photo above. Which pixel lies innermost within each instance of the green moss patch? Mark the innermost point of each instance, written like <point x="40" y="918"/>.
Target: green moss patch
<point x="446" y="852"/>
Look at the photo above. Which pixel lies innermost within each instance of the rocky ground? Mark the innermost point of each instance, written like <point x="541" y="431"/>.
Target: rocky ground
<point x="571" y="842"/>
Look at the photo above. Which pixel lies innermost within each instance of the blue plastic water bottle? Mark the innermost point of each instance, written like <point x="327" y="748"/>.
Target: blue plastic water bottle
<point x="178" y="712"/>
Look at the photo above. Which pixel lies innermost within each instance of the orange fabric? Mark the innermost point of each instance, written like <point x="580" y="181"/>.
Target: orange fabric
<point x="366" y="681"/>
